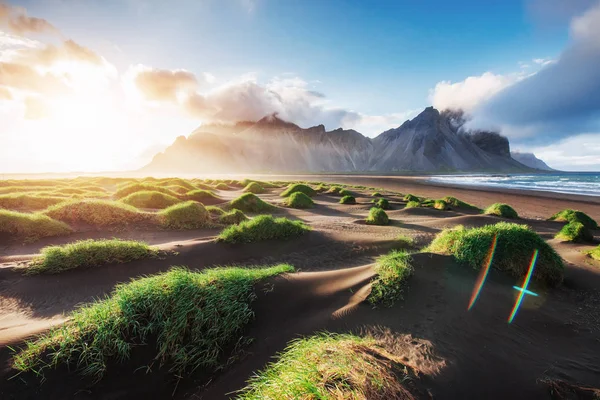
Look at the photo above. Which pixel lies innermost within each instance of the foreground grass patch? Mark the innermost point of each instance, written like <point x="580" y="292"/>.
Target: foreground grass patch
<point x="263" y="227"/>
<point x="514" y="249"/>
<point x="330" y="367"/>
<point x="575" y="232"/>
<point x="31" y="226"/>
<point x="87" y="254"/>
<point x="186" y="318"/>
<point x="299" y="200"/>
<point x="99" y="213"/>
<point x="150" y="199"/>
<point x="393" y="269"/>
<point x="377" y="217"/>
<point x="501" y="210"/>
<point x="249" y="202"/>
<point x="569" y="215"/>
<point x="186" y="215"/>
<point x="298" y="188"/>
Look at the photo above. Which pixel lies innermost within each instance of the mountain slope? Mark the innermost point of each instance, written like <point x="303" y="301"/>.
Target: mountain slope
<point x="432" y="141"/>
<point x="530" y="160"/>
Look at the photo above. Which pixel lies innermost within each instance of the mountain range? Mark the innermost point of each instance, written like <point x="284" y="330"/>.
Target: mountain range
<point x="431" y="142"/>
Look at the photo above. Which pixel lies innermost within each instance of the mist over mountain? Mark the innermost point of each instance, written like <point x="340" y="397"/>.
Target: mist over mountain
<point x="431" y="142"/>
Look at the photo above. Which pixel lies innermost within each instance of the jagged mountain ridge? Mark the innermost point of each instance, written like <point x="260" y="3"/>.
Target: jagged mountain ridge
<point x="432" y="141"/>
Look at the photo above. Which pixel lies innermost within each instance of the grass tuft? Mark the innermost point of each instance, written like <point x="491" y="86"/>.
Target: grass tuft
<point x="575" y="232"/>
<point x="454" y="202"/>
<point x="377" y="217"/>
<point x="87" y="254"/>
<point x="412" y="204"/>
<point x="501" y="210"/>
<point x="215" y="211"/>
<point x="393" y="270"/>
<point x="98" y="213"/>
<point x="409" y="197"/>
<point x="201" y="195"/>
<point x="514" y="250"/>
<point x="232" y="217"/>
<point x="299" y="200"/>
<point x="569" y="215"/>
<point x="28" y="202"/>
<point x="348" y="199"/>
<point x="376" y="194"/>
<point x="249" y="202"/>
<point x="187" y="318"/>
<point x="31" y="227"/>
<point x="222" y="186"/>
<point x="254" y="187"/>
<point x="263" y="227"/>
<point x="330" y="366"/>
<point x="298" y="188"/>
<point x="384" y="204"/>
<point x="130" y="188"/>
<point x="186" y="215"/>
<point x="594" y="253"/>
<point x="150" y="199"/>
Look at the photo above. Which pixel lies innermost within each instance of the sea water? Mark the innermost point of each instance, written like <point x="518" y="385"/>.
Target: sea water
<point x="583" y="183"/>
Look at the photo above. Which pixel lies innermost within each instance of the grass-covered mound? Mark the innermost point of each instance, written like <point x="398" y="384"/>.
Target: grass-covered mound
<point x="232" y="217"/>
<point x="501" y="210"/>
<point x="321" y="188"/>
<point x="437" y="204"/>
<point x="514" y="250"/>
<point x="348" y="199"/>
<point x="263" y="227"/>
<point x="222" y="186"/>
<point x="376" y="194"/>
<point x="338" y="190"/>
<point x="409" y="197"/>
<point x="594" y="253"/>
<point x="28" y="202"/>
<point x="150" y="199"/>
<point x="299" y="200"/>
<point x="176" y="182"/>
<point x="202" y="196"/>
<point x="377" y="217"/>
<point x="255" y="188"/>
<point x="186" y="215"/>
<point x="215" y="211"/>
<point x="180" y="190"/>
<point x="454" y="202"/>
<point x="186" y="318"/>
<point x="412" y="204"/>
<point x="575" y="232"/>
<point x="298" y="188"/>
<point x="393" y="269"/>
<point x="246" y="182"/>
<point x="569" y="215"/>
<point x="130" y="188"/>
<point x="25" y="226"/>
<point x="87" y="254"/>
<point x="249" y="202"/>
<point x="99" y="213"/>
<point x="331" y="367"/>
<point x="382" y="203"/>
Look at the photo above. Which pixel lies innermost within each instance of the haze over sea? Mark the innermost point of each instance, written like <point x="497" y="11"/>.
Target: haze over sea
<point x="582" y="183"/>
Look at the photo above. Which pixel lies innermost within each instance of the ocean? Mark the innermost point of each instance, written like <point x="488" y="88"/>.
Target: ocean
<point x="582" y="183"/>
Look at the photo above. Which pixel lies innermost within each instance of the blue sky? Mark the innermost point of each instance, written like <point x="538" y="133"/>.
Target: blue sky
<point x="366" y="65"/>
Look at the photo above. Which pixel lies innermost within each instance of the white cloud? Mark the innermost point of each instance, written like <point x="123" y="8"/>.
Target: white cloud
<point x="578" y="152"/>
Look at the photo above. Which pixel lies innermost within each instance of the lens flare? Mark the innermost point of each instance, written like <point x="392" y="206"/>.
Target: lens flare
<point x="523" y="289"/>
<point x="483" y="274"/>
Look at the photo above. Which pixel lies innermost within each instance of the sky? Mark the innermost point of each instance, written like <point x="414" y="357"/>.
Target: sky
<point x="103" y="85"/>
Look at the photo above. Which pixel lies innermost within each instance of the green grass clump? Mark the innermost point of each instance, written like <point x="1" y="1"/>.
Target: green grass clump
<point x="376" y="194"/>
<point x="263" y="227"/>
<point x="246" y="182"/>
<point x="30" y="227"/>
<point x="514" y="250"/>
<point x="594" y="253"/>
<point x="298" y="188"/>
<point x="187" y="318"/>
<point x="575" y="232"/>
<point x="501" y="210"/>
<point x="87" y="254"/>
<point x="180" y="190"/>
<point x="393" y="269"/>
<point x="232" y="217"/>
<point x="322" y="188"/>
<point x="409" y="197"/>
<point x="215" y="211"/>
<point x="28" y="202"/>
<point x="412" y="204"/>
<point x="405" y="241"/>
<point x="186" y="215"/>
<point x="569" y="215"/>
<point x="330" y="367"/>
<point x="348" y="199"/>
<point x="454" y="202"/>
<point x="299" y="200"/>
<point x="345" y="192"/>
<point x="149" y="199"/>
<point x="176" y="182"/>
<point x="99" y="213"/>
<point x="222" y="186"/>
<point x="384" y="204"/>
<point x="440" y="205"/>
<point x="130" y="188"/>
<point x="377" y="217"/>
<point x="255" y="188"/>
<point x="334" y="190"/>
<point x="249" y="202"/>
<point x="202" y="196"/>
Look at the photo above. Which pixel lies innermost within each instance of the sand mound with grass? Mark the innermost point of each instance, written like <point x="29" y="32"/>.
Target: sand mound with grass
<point x="569" y="215"/>
<point x="377" y="217"/>
<point x="575" y="232"/>
<point x="186" y="215"/>
<point x="501" y="210"/>
<point x="299" y="200"/>
<point x="150" y="199"/>
<point x="29" y="227"/>
<point x="298" y="188"/>
<point x="263" y="227"/>
<point x="249" y="202"/>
